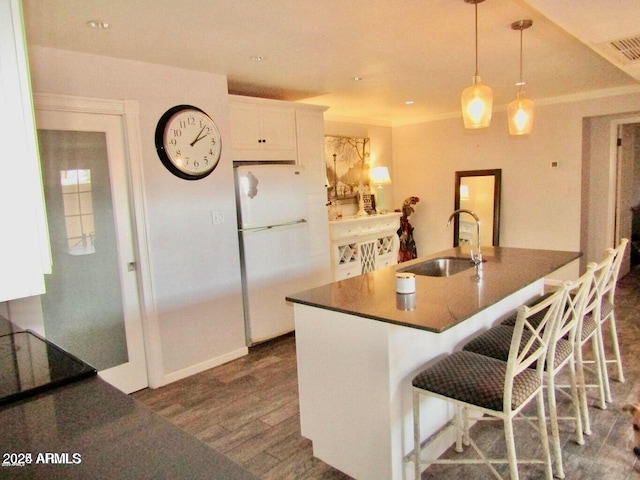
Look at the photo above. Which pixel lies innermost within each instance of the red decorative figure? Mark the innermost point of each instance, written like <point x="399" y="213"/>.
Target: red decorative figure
<point x="408" y="250"/>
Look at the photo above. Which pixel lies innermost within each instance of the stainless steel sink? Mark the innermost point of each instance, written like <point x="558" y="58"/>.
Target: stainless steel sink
<point x="440" y="267"/>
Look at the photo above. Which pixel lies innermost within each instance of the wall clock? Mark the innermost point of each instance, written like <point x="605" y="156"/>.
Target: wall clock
<point x="188" y="142"/>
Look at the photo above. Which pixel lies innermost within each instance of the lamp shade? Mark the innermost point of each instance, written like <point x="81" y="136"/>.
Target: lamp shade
<point x="521" y="114"/>
<point x="477" y="104"/>
<point x="380" y="176"/>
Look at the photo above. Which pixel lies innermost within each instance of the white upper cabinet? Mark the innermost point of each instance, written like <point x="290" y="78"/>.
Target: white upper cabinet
<point x="24" y="243"/>
<point x="262" y="130"/>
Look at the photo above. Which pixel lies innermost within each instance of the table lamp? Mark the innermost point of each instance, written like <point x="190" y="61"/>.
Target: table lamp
<point x="380" y="177"/>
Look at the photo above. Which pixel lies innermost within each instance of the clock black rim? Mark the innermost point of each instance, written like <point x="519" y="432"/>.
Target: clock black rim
<point x="159" y="142"/>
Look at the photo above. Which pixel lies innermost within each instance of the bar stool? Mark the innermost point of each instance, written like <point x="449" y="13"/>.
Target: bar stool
<point x="607" y="314"/>
<point x="495" y="343"/>
<point x="493" y="387"/>
<point x="589" y="332"/>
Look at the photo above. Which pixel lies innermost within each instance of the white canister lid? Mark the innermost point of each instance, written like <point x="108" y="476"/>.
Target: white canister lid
<point x="405" y="282"/>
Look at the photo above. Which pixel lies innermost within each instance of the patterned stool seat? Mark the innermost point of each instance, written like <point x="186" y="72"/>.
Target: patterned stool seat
<point x="476" y="379"/>
<point x="589" y="326"/>
<point x="606" y="307"/>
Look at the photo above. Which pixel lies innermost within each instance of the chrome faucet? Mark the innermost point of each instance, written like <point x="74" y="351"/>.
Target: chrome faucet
<point x="477" y="257"/>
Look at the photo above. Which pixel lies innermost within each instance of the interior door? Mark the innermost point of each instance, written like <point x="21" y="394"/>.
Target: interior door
<point x="92" y="304"/>
<point x="627" y="145"/>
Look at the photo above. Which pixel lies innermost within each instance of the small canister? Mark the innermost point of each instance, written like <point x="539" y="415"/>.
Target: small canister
<point x="405" y="282"/>
<point x="406" y="301"/>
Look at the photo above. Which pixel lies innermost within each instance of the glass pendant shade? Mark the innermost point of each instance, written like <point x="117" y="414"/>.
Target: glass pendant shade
<point x="521" y="115"/>
<point x="477" y="105"/>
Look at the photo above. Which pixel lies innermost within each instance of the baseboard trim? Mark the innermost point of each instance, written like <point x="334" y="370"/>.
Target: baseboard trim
<point x="201" y="367"/>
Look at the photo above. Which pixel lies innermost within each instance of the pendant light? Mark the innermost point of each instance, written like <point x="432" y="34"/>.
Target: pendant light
<point x="477" y="100"/>
<point x="521" y="110"/>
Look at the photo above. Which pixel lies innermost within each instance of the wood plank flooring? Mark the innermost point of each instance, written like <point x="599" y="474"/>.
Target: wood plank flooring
<point x="248" y="410"/>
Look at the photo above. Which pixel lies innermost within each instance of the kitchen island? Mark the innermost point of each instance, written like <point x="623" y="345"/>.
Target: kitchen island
<point x="359" y="344"/>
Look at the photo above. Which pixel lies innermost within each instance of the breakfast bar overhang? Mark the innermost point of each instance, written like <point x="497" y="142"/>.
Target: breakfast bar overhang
<point x="359" y="344"/>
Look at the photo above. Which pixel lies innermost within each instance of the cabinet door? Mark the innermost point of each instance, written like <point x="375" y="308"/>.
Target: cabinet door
<point x="278" y="128"/>
<point x="368" y="256"/>
<point x="263" y="132"/>
<point x="310" y="143"/>
<point x="24" y="245"/>
<point x="245" y="127"/>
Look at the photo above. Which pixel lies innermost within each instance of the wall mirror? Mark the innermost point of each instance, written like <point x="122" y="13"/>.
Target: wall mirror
<point x="478" y="191"/>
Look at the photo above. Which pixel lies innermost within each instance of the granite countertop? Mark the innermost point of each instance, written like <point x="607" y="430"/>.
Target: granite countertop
<point x="440" y="302"/>
<point x="30" y="364"/>
<point x="89" y="429"/>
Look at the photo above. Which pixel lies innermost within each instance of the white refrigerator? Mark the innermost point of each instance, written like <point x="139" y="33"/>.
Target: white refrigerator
<point x="274" y="245"/>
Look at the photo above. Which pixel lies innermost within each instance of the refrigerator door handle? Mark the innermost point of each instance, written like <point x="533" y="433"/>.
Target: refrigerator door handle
<point x="267" y="227"/>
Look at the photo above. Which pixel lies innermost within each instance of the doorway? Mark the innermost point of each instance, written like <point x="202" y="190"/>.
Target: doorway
<point x="628" y="193"/>
<point x="92" y="307"/>
<point x="610" y="176"/>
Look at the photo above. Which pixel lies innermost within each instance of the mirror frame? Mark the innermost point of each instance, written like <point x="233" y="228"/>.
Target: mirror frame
<point x="497" y="174"/>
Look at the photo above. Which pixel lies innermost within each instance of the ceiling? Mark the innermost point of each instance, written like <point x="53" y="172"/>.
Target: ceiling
<point x="410" y="50"/>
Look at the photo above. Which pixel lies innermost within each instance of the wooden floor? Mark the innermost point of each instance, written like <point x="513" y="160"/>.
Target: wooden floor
<point x="248" y="410"/>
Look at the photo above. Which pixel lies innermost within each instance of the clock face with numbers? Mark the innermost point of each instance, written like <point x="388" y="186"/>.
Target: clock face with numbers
<point x="188" y="142"/>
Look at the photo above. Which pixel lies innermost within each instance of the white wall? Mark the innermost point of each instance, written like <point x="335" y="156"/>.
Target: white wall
<point x="195" y="264"/>
<point x="541" y="205"/>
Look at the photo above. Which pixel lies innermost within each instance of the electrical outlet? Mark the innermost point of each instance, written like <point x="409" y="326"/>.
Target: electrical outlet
<point x="217" y="217"/>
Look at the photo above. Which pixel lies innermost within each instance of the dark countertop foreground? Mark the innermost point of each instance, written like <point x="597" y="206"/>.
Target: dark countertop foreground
<point x="30" y="364"/>
<point x="98" y="432"/>
<point x="440" y="302"/>
<point x="7" y="328"/>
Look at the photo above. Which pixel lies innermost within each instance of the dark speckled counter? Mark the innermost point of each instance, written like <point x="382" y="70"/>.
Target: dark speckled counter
<point x="440" y="302"/>
<point x="63" y="425"/>
<point x="90" y="430"/>
<point x="357" y="352"/>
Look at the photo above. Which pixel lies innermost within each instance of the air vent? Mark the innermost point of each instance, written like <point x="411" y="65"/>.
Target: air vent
<point x="629" y="48"/>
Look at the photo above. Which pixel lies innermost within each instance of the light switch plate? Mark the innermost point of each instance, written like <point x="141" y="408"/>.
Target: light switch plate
<point x="217" y="217"/>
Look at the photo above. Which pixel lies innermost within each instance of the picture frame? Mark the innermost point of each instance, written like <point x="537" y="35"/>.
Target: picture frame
<point x="347" y="167"/>
<point x="369" y="202"/>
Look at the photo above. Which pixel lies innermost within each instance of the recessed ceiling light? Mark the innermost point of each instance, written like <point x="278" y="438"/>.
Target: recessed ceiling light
<point x="357" y="78"/>
<point x="409" y="102"/>
<point x="257" y="58"/>
<point x="98" y="24"/>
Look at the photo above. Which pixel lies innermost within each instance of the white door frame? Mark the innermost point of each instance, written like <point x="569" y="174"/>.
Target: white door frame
<point x="614" y="178"/>
<point x="128" y="110"/>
